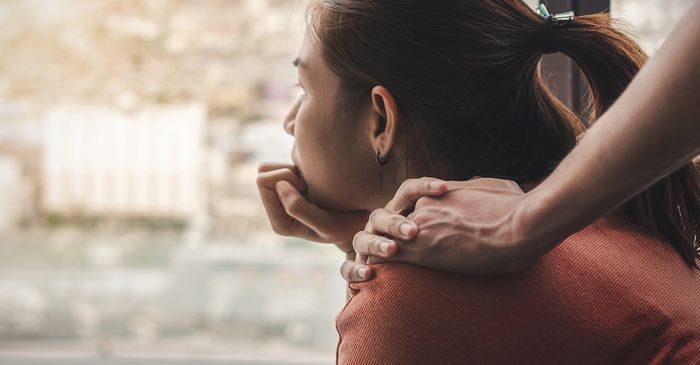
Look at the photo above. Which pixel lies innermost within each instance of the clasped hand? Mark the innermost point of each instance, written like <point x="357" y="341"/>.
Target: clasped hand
<point x="469" y="227"/>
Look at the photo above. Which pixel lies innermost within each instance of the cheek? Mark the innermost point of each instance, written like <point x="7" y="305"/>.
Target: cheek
<point x="336" y="171"/>
<point x="309" y="139"/>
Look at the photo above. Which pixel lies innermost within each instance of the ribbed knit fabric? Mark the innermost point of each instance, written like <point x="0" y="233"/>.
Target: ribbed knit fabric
<point x="610" y="294"/>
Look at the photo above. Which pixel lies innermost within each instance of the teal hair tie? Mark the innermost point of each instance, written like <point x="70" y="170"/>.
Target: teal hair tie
<point x="547" y="40"/>
<point x="555" y="19"/>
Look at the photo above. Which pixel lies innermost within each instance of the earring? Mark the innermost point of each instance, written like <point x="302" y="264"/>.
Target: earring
<point x="381" y="169"/>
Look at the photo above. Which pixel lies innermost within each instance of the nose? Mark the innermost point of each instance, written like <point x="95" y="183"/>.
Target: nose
<point x="291" y="117"/>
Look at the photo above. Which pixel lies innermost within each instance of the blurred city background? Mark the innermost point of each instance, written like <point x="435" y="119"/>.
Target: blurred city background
<point x="130" y="224"/>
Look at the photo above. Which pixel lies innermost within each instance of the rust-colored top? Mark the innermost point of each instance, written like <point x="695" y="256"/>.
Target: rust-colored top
<point x="610" y="294"/>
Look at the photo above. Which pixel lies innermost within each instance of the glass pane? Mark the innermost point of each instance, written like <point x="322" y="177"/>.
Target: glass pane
<point x="130" y="222"/>
<point x="532" y="3"/>
<point x="650" y="21"/>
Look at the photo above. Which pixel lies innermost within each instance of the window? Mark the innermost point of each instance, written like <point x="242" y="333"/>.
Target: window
<point x="650" y="21"/>
<point x="130" y="223"/>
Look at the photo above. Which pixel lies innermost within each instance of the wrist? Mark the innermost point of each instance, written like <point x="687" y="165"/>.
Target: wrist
<point x="536" y="224"/>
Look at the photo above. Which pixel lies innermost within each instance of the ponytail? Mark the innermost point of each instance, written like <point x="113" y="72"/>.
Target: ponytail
<point x="465" y="78"/>
<point x="609" y="59"/>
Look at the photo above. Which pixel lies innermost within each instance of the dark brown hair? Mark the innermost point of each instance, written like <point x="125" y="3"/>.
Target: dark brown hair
<point x="466" y="79"/>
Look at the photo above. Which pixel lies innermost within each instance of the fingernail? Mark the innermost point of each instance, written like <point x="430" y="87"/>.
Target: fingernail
<point x="362" y="271"/>
<point x="435" y="185"/>
<point x="405" y="228"/>
<point x="384" y="247"/>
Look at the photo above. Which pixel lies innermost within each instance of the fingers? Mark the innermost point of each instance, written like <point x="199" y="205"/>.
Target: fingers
<point x="330" y="226"/>
<point x="366" y="244"/>
<point x="282" y="190"/>
<point x="269" y="166"/>
<point x="385" y="222"/>
<point x="270" y="173"/>
<point x="280" y="221"/>
<point x="353" y="271"/>
<point x="412" y="190"/>
<point x="296" y="206"/>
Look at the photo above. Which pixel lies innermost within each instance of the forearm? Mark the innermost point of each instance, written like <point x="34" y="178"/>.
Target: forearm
<point x="652" y="130"/>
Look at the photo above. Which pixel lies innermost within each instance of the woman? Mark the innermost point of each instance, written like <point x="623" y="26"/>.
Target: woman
<point x="653" y="130"/>
<point x="401" y="89"/>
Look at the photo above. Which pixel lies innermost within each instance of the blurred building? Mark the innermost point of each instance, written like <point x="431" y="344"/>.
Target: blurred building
<point x="12" y="191"/>
<point x="19" y="151"/>
<point x="162" y="109"/>
<point x="650" y="21"/>
<point x="100" y="161"/>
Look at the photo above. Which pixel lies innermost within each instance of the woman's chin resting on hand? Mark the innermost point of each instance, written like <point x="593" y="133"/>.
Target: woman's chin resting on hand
<point x="394" y="91"/>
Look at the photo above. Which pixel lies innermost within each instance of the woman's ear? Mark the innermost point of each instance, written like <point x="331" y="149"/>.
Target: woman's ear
<point x="384" y="121"/>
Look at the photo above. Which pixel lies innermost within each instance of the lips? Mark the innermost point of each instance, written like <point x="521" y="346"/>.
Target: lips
<point x="293" y="157"/>
<point x="296" y="164"/>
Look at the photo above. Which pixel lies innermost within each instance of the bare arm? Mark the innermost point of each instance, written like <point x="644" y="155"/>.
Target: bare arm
<point x="652" y="130"/>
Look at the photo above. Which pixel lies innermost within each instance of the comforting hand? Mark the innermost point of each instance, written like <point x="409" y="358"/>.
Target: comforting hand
<point x="291" y="214"/>
<point x="474" y="228"/>
<point x="370" y="243"/>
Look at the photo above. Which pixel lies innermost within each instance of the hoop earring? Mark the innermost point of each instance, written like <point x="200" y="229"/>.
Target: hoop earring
<point x="381" y="169"/>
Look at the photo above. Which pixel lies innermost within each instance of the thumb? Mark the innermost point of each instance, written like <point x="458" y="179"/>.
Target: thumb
<point x="301" y="209"/>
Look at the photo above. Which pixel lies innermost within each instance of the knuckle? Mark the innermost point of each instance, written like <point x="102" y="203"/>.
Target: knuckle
<point x="397" y="219"/>
<point x="422" y="185"/>
<point x="420" y="220"/>
<point x="285" y="197"/>
<point x="374" y="216"/>
<point x="357" y="239"/>
<point x="293" y="205"/>
<point x="260" y="179"/>
<point x="400" y="190"/>
<point x="405" y="185"/>
<point x="415" y="183"/>
<point x="376" y="243"/>
<point x="358" y="236"/>
<point x="423" y="201"/>
<point x="396" y="222"/>
<point x="392" y="204"/>
<point x="286" y="172"/>
<point x="280" y="230"/>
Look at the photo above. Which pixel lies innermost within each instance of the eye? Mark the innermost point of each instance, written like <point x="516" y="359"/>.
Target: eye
<point x="299" y="91"/>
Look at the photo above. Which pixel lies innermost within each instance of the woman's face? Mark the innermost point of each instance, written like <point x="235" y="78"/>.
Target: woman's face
<point x="334" y="155"/>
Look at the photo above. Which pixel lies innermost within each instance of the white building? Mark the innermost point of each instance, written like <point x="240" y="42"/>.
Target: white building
<point x="13" y="191"/>
<point x="98" y="160"/>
